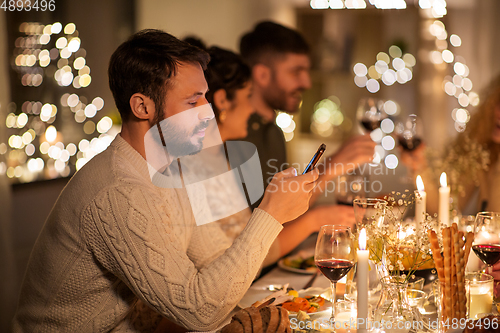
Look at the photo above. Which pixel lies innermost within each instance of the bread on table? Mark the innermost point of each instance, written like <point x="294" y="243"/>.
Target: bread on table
<point x="269" y="319"/>
<point x="267" y="313"/>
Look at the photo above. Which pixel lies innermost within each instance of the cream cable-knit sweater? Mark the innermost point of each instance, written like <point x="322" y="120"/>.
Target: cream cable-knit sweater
<point x="114" y="242"/>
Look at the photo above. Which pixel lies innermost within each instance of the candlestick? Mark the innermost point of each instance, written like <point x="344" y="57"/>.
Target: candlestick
<point x="444" y="201"/>
<point x="362" y="280"/>
<point x="420" y="204"/>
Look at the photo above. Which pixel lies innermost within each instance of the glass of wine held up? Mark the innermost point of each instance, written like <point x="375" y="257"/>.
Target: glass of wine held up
<point x="334" y="255"/>
<point x="371" y="113"/>
<point x="410" y="132"/>
<point x="486" y="243"/>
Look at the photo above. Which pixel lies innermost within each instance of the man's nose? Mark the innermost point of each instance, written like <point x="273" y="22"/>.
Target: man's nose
<point x="206" y="112"/>
<point x="306" y="81"/>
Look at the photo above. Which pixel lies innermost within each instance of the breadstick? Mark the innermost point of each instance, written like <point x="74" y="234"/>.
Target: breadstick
<point x="436" y="254"/>
<point x="461" y="238"/>
<point x="463" y="302"/>
<point x="455" y="268"/>
<point x="459" y="276"/>
<point x="468" y="245"/>
<point x="448" y="294"/>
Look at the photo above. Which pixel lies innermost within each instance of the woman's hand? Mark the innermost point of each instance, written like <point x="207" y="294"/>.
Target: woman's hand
<point x="287" y="195"/>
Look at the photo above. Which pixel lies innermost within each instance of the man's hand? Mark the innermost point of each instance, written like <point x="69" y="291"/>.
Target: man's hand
<point x="287" y="195"/>
<point x="496" y="283"/>
<point x="356" y="151"/>
<point x="332" y="214"/>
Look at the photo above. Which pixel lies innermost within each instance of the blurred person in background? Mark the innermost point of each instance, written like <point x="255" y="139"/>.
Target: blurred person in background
<point x="472" y="157"/>
<point x="280" y="64"/>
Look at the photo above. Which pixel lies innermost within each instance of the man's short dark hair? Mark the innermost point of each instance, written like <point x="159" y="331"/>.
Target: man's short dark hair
<point x="145" y="63"/>
<point x="270" y="39"/>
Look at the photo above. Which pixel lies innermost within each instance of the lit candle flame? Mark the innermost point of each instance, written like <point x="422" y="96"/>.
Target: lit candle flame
<point x="443" y="180"/>
<point x="420" y="184"/>
<point x="362" y="239"/>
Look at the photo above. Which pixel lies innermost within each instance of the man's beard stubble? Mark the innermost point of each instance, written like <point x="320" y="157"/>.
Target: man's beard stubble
<point x="276" y="97"/>
<point x="178" y="143"/>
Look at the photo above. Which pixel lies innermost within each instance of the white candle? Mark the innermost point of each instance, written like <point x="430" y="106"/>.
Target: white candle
<point x="420" y="199"/>
<point x="444" y="201"/>
<point x="362" y="280"/>
<point x="480" y="300"/>
<point x="345" y="322"/>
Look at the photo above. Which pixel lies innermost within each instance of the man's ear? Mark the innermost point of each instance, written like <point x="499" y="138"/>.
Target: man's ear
<point x="220" y="100"/>
<point x="261" y="74"/>
<point x="142" y="106"/>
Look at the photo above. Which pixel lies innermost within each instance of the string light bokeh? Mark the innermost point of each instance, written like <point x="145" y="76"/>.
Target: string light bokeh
<point x="328" y="118"/>
<point x="399" y="69"/>
<point x="36" y="148"/>
<point x="444" y="54"/>
<point x="393" y="67"/>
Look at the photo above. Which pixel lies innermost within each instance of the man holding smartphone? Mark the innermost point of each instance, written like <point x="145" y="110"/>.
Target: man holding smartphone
<point x="279" y="59"/>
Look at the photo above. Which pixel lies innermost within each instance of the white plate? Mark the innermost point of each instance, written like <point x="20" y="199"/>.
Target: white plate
<point x="309" y="271"/>
<point x="254" y="295"/>
<point x="303" y="254"/>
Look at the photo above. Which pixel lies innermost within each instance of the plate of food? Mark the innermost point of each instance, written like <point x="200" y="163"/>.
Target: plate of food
<point x="312" y="301"/>
<point x="301" y="262"/>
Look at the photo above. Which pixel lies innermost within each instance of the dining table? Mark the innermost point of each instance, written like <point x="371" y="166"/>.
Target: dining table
<point x="280" y="276"/>
<point x="311" y="282"/>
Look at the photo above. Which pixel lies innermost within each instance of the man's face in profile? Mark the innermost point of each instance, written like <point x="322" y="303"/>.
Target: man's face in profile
<point x="289" y="79"/>
<point x="184" y="133"/>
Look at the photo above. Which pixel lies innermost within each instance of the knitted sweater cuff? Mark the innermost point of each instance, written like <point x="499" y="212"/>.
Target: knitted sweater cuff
<point x="262" y="228"/>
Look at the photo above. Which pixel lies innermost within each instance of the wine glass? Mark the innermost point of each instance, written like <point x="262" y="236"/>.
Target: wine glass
<point x="334" y="255"/>
<point x="369" y="210"/>
<point x="350" y="187"/>
<point x="486" y="244"/>
<point x="371" y="113"/>
<point x="410" y="132"/>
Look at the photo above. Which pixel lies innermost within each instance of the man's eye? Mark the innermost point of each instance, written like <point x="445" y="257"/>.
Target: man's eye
<point x="193" y="103"/>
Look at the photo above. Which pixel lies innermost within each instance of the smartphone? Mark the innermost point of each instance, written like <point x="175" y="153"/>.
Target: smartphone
<point x="314" y="160"/>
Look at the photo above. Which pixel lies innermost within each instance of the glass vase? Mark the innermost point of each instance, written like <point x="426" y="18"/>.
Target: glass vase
<point x="393" y="312"/>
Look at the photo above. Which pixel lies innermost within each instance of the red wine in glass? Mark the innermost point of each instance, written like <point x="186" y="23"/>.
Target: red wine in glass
<point x="334" y="269"/>
<point x="409" y="132"/>
<point x="370" y="113"/>
<point x="345" y="202"/>
<point x="334" y="255"/>
<point x="486" y="243"/>
<point x="488" y="253"/>
<point x="371" y="125"/>
<point x="409" y="144"/>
